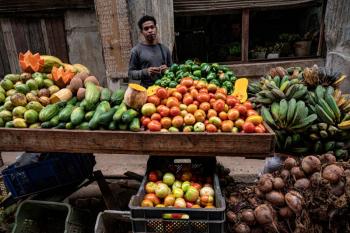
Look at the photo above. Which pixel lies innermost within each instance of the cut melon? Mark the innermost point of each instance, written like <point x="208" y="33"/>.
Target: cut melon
<point x="135" y="96"/>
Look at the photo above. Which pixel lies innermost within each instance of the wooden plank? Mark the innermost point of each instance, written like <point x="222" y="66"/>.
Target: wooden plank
<point x="10" y="45"/>
<point x="245" y="35"/>
<point x="4" y="60"/>
<point x="45" y="37"/>
<point x="35" y="36"/>
<point x="321" y="36"/>
<point x="19" y="35"/>
<point x="124" y="142"/>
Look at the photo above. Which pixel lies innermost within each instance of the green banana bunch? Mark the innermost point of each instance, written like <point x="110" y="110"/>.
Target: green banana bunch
<point x="323" y="131"/>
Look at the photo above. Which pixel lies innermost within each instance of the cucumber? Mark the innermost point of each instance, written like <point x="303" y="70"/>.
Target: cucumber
<point x="61" y="125"/>
<point x="117" y="97"/>
<point x="64" y="115"/>
<point x="123" y="126"/>
<point x="83" y="126"/>
<point x="92" y="95"/>
<point x="69" y="125"/>
<point x="89" y="115"/>
<point x="48" y="112"/>
<point x="46" y="125"/>
<point x="129" y="115"/>
<point x="118" y="114"/>
<point x="72" y="101"/>
<point x="77" y="116"/>
<point x="105" y="94"/>
<point x="106" y="117"/>
<point x="54" y="121"/>
<point x="112" y="125"/>
<point x="135" y="125"/>
<point x="103" y="107"/>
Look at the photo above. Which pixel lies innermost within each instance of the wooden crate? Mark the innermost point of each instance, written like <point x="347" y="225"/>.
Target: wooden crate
<point x="125" y="142"/>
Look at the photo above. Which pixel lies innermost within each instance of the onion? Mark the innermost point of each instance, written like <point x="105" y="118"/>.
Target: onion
<point x="311" y="164"/>
<point x="302" y="184"/>
<point x="294" y="201"/>
<point x="297" y="173"/>
<point x="233" y="200"/>
<point x="231" y="216"/>
<point x="290" y="162"/>
<point x="275" y="198"/>
<point x="265" y="184"/>
<point x="285" y="212"/>
<point x="266" y="176"/>
<point x="338" y="189"/>
<point x="264" y="214"/>
<point x="333" y="173"/>
<point x="242" y="228"/>
<point x="328" y="158"/>
<point x="285" y="174"/>
<point x="278" y="183"/>
<point x="258" y="193"/>
<point x="248" y="216"/>
<point x="253" y="202"/>
<point x="316" y="179"/>
<point x="256" y="230"/>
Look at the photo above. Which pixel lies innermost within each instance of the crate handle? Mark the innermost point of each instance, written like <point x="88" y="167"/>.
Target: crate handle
<point x="175" y="216"/>
<point x="182" y="161"/>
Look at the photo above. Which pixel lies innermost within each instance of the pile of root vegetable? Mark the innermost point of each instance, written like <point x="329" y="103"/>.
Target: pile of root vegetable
<point x="310" y="195"/>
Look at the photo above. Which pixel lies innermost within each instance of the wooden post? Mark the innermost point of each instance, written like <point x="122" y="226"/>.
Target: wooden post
<point x="245" y="35"/>
<point x="321" y="37"/>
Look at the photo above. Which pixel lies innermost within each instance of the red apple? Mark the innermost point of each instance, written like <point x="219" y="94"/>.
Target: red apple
<point x="153" y="198"/>
<point x="147" y="203"/>
<point x="186" y="176"/>
<point x="189" y="204"/>
<point x="197" y="186"/>
<point x="207" y="200"/>
<point x="192" y="194"/>
<point x="180" y="203"/>
<point x="150" y="187"/>
<point x="169" y="200"/>
<point x="153" y="176"/>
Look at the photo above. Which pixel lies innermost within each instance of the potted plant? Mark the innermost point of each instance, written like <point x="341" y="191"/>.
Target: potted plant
<point x="287" y="41"/>
<point x="274" y="51"/>
<point x="259" y="52"/>
<point x="302" y="47"/>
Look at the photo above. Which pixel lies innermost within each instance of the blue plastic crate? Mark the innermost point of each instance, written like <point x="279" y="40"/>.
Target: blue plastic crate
<point x="56" y="170"/>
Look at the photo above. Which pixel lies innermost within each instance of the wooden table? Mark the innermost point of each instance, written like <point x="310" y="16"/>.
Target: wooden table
<point x="125" y="142"/>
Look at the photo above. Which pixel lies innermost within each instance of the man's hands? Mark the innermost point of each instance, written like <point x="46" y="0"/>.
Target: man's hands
<point x="157" y="70"/>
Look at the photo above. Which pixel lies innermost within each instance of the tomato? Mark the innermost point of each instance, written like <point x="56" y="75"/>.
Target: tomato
<point x="220" y="95"/>
<point x="221" y="90"/>
<point x="187" y="82"/>
<point x="201" y="84"/>
<point x="262" y="127"/>
<point x="223" y="115"/>
<point x="154" y="126"/>
<point x="181" y="89"/>
<point x="170" y="91"/>
<point x="203" y="90"/>
<point x="211" y="113"/>
<point x="231" y="101"/>
<point x="216" y="121"/>
<point x="153" y="176"/>
<point x="227" y="126"/>
<point x="251" y="112"/>
<point x="177" y="95"/>
<point x="188" y="100"/>
<point x="192" y="108"/>
<point x="156" y="117"/>
<point x="183" y="113"/>
<point x="177" y="121"/>
<point x="256" y="120"/>
<point x="212" y="88"/>
<point x="259" y="130"/>
<point x="194" y="93"/>
<point x="196" y="103"/>
<point x="174" y="111"/>
<point x="248" y="127"/>
<point x="203" y="97"/>
<point x="172" y="101"/>
<point x="189" y="119"/>
<point x="239" y="123"/>
<point x="233" y="114"/>
<point x="205" y="106"/>
<point x="199" y="115"/>
<point x="145" y="120"/>
<point x="163" y="110"/>
<point x="165" y="122"/>
<point x="219" y="105"/>
<point x="248" y="105"/>
<point x="162" y="93"/>
<point x="211" y="128"/>
<point x="242" y="109"/>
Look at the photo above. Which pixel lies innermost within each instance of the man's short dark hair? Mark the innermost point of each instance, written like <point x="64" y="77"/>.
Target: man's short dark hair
<point x="145" y="19"/>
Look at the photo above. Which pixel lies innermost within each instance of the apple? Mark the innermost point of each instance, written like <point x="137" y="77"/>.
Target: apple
<point x="153" y="176"/>
<point x="169" y="200"/>
<point x="196" y="206"/>
<point x="189" y="204"/>
<point x="180" y="203"/>
<point x="206" y="191"/>
<point x="160" y="206"/>
<point x="150" y="187"/>
<point x="178" y="192"/>
<point x="185" y="185"/>
<point x="162" y="190"/>
<point x="176" y="216"/>
<point x="176" y="184"/>
<point x="197" y="186"/>
<point x="186" y="176"/>
<point x="192" y="194"/>
<point x="207" y="200"/>
<point x="185" y="216"/>
<point x="167" y="216"/>
<point x="147" y="203"/>
<point x="168" y="178"/>
<point x="152" y="197"/>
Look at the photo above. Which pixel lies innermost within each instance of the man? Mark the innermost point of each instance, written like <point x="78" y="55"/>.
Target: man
<point x="149" y="59"/>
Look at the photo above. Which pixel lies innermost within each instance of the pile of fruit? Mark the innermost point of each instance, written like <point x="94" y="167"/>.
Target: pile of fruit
<point x="310" y="194"/>
<point x="195" y="105"/>
<point x="183" y="191"/>
<point x="307" y="111"/>
<point x="214" y="73"/>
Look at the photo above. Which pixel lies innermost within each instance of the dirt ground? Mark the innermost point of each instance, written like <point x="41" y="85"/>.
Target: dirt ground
<point x="117" y="164"/>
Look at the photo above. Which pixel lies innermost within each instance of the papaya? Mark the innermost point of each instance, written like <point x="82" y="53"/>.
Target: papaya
<point x="81" y="68"/>
<point x="135" y="96"/>
<point x="50" y="62"/>
<point x="61" y="77"/>
<point x="31" y="62"/>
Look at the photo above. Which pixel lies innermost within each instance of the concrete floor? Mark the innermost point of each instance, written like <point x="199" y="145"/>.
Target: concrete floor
<point x="117" y="164"/>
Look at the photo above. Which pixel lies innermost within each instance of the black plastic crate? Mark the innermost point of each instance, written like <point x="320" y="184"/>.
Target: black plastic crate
<point x="52" y="171"/>
<point x="201" y="220"/>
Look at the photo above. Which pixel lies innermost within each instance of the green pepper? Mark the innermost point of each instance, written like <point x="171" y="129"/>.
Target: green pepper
<point x="186" y="74"/>
<point x="166" y="72"/>
<point x="172" y="84"/>
<point x="174" y="68"/>
<point x="215" y="67"/>
<point x="197" y="73"/>
<point x="195" y="78"/>
<point x="216" y="82"/>
<point x="165" y="82"/>
<point x="189" y="62"/>
<point x="195" y="67"/>
<point x="157" y="82"/>
<point x="233" y="79"/>
<point x="230" y="73"/>
<point x="170" y="75"/>
<point x="228" y="84"/>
